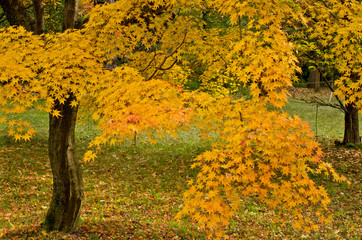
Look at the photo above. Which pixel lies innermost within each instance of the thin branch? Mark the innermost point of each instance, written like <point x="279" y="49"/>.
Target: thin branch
<point x="168" y="68"/>
<point x="166" y="57"/>
<point x="332" y="89"/>
<point x="169" y="55"/>
<point x="226" y="64"/>
<point x="149" y="64"/>
<point x="329" y="85"/>
<point x="336" y="106"/>
<point x="4" y="20"/>
<point x="240" y="28"/>
<point x="320" y="102"/>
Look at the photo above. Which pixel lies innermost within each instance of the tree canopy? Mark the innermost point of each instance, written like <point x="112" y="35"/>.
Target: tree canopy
<point x="261" y="151"/>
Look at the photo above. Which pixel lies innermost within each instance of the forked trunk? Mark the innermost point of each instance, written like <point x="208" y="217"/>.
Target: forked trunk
<point x="351" y="125"/>
<point x="64" y="211"/>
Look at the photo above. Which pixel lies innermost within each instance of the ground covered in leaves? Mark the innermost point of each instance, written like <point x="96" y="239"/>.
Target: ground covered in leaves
<point x="134" y="192"/>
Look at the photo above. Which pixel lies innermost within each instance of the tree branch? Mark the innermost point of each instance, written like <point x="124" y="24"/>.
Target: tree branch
<point x="320" y="102"/>
<point x="329" y="85"/>
<point x="168" y="68"/>
<point x="2" y="15"/>
<point x="332" y="89"/>
<point x="226" y="64"/>
<point x="1" y="18"/>
<point x="149" y="64"/>
<point x="169" y="55"/>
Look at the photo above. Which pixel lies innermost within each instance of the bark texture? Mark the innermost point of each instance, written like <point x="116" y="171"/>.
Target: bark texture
<point x="64" y="211"/>
<point x="70" y="14"/>
<point x="314" y="80"/>
<point x="39" y="16"/>
<point x="351" y="125"/>
<point x="17" y="15"/>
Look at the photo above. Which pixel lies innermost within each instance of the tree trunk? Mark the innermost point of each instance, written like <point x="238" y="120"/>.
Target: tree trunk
<point x="314" y="80"/>
<point x="351" y="125"/>
<point x="38" y="6"/>
<point x="70" y="14"/>
<point x="17" y="15"/>
<point x="64" y="211"/>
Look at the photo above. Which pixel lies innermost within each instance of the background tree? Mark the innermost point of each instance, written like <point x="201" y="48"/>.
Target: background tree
<point x="330" y="39"/>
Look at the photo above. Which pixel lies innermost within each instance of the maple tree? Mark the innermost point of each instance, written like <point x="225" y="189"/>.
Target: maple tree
<point x="29" y="86"/>
<point x="330" y="40"/>
<point x="261" y="152"/>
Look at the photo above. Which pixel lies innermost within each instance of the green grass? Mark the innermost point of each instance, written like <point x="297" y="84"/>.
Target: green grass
<point x="134" y="192"/>
<point x="324" y="121"/>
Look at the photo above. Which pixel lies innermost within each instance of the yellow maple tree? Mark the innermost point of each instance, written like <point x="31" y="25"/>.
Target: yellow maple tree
<point x="330" y="40"/>
<point x="261" y="152"/>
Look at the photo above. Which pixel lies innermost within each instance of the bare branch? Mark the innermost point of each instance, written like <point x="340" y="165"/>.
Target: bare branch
<point x="332" y="89"/>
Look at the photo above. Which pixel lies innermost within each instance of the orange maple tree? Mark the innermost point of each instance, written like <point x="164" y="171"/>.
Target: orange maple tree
<point x="260" y="152"/>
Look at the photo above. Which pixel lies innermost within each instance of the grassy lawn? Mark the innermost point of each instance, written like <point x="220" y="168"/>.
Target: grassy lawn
<point x="324" y="121"/>
<point x="134" y="192"/>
